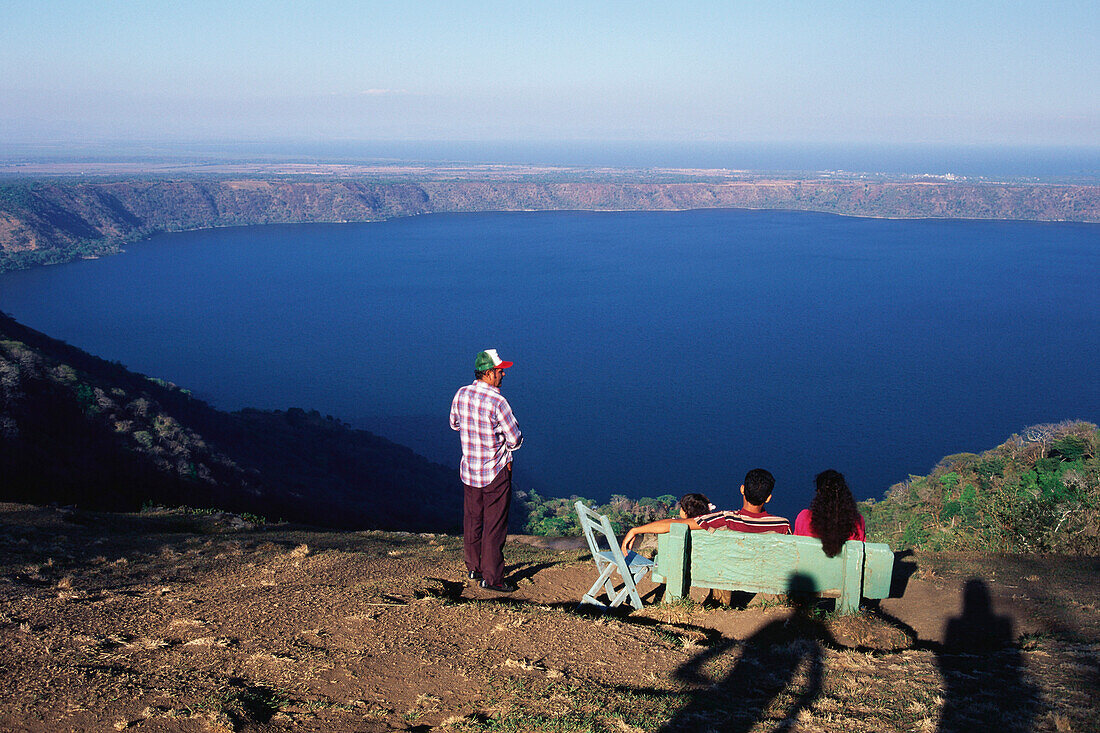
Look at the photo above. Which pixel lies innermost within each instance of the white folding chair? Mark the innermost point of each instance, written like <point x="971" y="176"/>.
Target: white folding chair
<point x="631" y="568"/>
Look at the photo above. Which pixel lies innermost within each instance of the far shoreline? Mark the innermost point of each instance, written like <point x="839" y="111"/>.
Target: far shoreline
<point x="47" y="220"/>
<point x="146" y="237"/>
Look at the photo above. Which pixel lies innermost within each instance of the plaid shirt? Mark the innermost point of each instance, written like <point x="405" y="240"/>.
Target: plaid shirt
<point x="489" y="432"/>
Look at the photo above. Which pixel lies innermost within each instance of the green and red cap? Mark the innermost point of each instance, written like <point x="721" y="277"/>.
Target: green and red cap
<point x="489" y="359"/>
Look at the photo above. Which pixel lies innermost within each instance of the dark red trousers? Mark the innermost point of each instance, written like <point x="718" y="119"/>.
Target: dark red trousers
<point x="485" y="526"/>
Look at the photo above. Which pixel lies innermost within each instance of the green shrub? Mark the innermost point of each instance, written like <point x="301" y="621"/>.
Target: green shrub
<point x="990" y="467"/>
<point x="1016" y="497"/>
<point x="558" y="516"/>
<point x="914" y="534"/>
<point x="1071" y="448"/>
<point x="551" y="527"/>
<point x="85" y="396"/>
<point x="968" y="503"/>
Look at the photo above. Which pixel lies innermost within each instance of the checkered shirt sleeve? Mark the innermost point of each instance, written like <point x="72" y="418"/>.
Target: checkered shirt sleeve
<point x="488" y="431"/>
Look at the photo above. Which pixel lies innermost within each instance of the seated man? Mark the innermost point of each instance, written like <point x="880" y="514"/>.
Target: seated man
<point x="751" y="517"/>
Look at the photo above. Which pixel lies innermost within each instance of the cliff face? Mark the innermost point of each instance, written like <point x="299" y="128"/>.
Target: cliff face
<point x="44" y="222"/>
<point x="49" y="222"/>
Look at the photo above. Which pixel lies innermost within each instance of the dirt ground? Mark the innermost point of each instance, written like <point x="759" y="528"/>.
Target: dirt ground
<point x="169" y="621"/>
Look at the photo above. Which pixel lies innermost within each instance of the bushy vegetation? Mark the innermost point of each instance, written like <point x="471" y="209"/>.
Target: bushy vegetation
<point x="1036" y="492"/>
<point x="10" y="261"/>
<point x="558" y="517"/>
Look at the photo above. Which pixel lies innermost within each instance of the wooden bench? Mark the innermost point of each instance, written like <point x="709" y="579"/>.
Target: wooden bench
<point x="771" y="563"/>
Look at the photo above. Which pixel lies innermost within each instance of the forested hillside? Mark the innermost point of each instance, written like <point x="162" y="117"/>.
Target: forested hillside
<point x="1036" y="492"/>
<point x="77" y="429"/>
<point x="47" y="221"/>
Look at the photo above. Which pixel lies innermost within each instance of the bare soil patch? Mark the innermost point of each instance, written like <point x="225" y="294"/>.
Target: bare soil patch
<point x="174" y="622"/>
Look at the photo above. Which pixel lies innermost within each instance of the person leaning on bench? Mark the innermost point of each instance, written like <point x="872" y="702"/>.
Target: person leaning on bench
<point x="756" y="491"/>
<point x="691" y="506"/>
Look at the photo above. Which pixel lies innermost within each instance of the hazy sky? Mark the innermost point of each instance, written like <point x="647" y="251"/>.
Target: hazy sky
<point x="960" y="71"/>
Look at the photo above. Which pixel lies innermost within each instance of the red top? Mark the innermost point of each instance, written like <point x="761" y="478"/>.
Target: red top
<point x="743" y="520"/>
<point x="802" y="526"/>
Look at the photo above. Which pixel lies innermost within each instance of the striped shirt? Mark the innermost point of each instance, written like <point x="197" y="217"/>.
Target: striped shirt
<point x="743" y="520"/>
<point x="488" y="430"/>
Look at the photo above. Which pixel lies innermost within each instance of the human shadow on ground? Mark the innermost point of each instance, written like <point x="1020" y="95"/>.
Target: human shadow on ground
<point x="516" y="572"/>
<point x="981" y="666"/>
<point x="778" y="671"/>
<point x="904" y="568"/>
<point x="781" y="663"/>
<point x="453" y="591"/>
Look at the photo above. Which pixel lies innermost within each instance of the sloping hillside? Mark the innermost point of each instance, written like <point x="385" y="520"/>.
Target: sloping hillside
<point x="1036" y="492"/>
<point x="78" y="429"/>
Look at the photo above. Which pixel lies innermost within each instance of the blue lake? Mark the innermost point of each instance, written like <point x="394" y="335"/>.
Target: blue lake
<point x="655" y="352"/>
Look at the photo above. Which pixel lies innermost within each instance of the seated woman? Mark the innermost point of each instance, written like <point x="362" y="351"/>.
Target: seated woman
<point x="691" y="506"/>
<point x="832" y="515"/>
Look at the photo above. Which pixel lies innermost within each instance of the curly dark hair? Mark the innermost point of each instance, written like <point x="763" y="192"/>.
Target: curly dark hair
<point x="833" y="513"/>
<point x="694" y="505"/>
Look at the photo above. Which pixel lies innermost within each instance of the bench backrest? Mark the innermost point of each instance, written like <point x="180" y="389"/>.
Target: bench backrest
<point x="769" y="563"/>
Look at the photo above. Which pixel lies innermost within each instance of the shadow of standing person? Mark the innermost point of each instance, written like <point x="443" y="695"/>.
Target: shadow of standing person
<point x="777" y="675"/>
<point x="984" y="687"/>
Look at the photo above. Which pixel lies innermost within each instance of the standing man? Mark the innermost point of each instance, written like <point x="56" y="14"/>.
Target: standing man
<point x="489" y="434"/>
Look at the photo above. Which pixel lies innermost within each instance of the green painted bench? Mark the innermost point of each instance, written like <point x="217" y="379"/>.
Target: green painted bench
<point x="771" y="563"/>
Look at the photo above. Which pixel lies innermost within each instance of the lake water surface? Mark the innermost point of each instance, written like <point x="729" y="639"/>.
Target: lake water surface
<point x="655" y="352"/>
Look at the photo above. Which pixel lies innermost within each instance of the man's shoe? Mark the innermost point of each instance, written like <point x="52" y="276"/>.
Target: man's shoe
<point x="474" y="575"/>
<point x="501" y="587"/>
